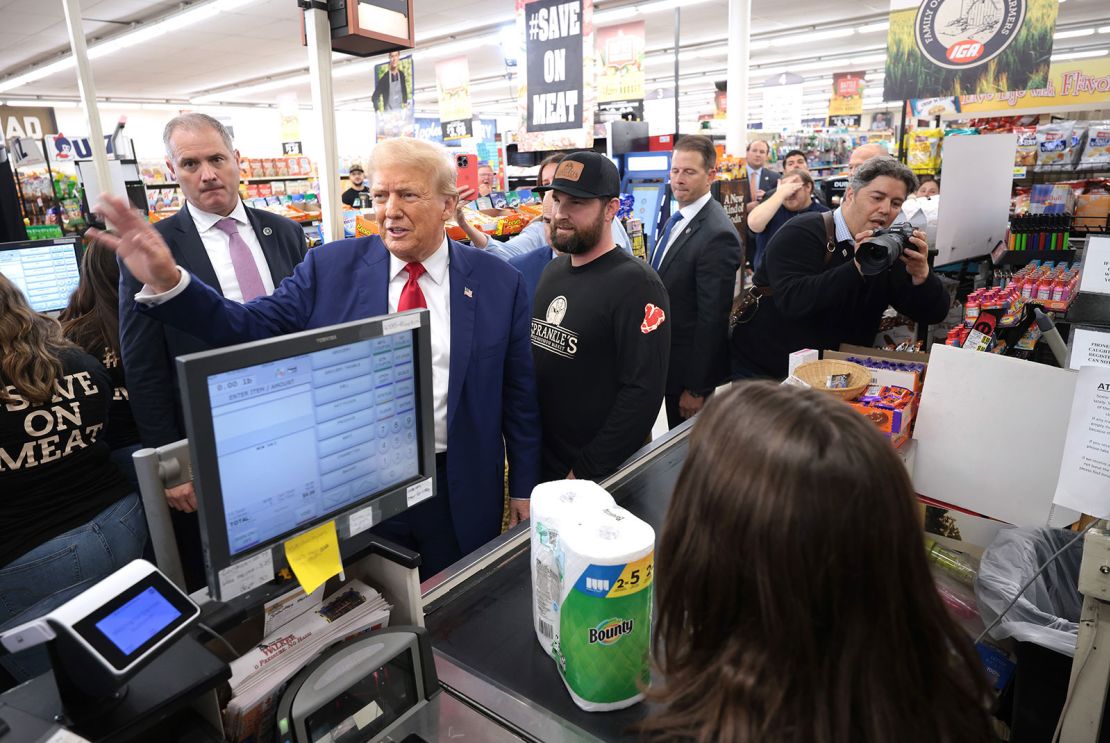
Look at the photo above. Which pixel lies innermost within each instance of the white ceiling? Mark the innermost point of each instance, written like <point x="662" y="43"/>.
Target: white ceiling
<point x="261" y="40"/>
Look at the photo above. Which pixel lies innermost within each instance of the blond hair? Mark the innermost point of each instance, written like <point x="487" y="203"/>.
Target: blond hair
<point x="423" y="157"/>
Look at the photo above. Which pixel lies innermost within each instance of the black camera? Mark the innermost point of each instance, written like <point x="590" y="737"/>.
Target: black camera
<point x="879" y="252"/>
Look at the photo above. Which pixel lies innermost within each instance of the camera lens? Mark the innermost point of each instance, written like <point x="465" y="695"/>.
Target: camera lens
<point x="878" y="252"/>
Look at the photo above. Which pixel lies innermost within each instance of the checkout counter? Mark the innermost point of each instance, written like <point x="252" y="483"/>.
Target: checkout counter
<point x="487" y="678"/>
<point x="479" y="616"/>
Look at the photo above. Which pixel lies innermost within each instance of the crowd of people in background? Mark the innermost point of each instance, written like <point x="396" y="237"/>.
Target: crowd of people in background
<point x="552" y="353"/>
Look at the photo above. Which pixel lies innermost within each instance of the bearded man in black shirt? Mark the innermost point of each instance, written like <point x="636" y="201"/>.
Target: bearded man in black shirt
<point x="600" y="331"/>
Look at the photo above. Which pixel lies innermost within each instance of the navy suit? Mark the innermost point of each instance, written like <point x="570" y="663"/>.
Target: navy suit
<point x="699" y="271"/>
<point x="491" y="398"/>
<point x="531" y="266"/>
<point x="149" y="348"/>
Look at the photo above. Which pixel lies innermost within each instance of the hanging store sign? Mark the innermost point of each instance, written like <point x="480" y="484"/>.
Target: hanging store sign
<point x="942" y="47"/>
<point x="453" y="89"/>
<point x="558" y="100"/>
<point x="847" y="95"/>
<point x="1073" y="85"/>
<point x="782" y="103"/>
<point x="62" y="149"/>
<point x="26" y="121"/>
<point x="26" y="151"/>
<point x="620" y="62"/>
<point x="394" y="108"/>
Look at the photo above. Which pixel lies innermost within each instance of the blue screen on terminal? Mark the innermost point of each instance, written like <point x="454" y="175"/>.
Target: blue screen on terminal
<point x="138" y="620"/>
<point x="46" y="273"/>
<point x="302" y="437"/>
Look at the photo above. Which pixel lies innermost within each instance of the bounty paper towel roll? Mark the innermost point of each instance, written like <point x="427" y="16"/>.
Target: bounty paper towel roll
<point x="602" y="647"/>
<point x="554" y="505"/>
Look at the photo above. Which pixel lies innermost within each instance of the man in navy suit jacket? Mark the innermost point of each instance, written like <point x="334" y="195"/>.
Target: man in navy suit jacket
<point x="480" y="319"/>
<point x="200" y="154"/>
<point x="532" y="263"/>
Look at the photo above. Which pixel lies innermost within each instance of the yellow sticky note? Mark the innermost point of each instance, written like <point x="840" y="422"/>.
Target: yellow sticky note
<point x="314" y="556"/>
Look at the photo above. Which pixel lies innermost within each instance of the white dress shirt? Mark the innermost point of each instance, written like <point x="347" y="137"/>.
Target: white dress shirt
<point x="435" y="283"/>
<point x="688" y="212"/>
<point x="217" y="245"/>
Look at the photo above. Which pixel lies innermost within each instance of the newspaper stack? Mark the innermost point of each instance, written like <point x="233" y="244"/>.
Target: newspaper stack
<point x="257" y="678"/>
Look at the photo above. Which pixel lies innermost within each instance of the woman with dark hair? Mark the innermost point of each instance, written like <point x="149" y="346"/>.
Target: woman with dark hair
<point x="795" y="600"/>
<point x="67" y="516"/>
<point x="91" y="320"/>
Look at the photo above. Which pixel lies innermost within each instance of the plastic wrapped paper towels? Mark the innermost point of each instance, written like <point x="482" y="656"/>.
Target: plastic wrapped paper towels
<point x="592" y="571"/>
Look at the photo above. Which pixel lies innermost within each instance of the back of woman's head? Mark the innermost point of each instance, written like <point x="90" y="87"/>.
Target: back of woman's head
<point x="795" y="601"/>
<point x="29" y="346"/>
<point x="91" y="319"/>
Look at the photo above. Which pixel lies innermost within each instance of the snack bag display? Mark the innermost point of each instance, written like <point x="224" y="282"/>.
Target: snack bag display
<point x="1055" y="143"/>
<point x="924" y="150"/>
<point x="1026" y="146"/>
<point x="1097" y="151"/>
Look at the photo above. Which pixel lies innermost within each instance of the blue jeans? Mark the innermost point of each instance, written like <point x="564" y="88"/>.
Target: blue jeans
<point x="60" y="568"/>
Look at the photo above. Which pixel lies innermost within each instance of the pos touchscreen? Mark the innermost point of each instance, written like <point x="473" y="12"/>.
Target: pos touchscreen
<point x="291" y="432"/>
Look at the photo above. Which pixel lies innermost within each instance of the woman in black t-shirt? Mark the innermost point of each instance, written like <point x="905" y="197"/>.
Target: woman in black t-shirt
<point x="91" y="320"/>
<point x="68" y="518"/>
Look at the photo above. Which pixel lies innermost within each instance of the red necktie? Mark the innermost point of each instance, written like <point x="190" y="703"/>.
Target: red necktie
<point x="411" y="296"/>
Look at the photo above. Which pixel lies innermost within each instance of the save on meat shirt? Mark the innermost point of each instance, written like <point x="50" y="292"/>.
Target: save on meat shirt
<point x="600" y="343"/>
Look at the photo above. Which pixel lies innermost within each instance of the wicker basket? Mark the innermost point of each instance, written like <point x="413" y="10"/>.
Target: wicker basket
<point x="816" y="374"/>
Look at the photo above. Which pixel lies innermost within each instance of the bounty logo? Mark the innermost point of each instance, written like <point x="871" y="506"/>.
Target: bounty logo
<point x="610" y="631"/>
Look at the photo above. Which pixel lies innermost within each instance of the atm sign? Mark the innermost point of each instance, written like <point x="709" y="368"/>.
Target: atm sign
<point x="963" y="52"/>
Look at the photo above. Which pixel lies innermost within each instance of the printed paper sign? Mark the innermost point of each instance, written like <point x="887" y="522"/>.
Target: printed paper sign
<point x="1096" y="266"/>
<point x="1084" y="483"/>
<point x="1089" y="347"/>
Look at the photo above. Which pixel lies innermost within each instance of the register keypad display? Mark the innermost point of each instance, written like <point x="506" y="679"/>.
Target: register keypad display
<point x="306" y="436"/>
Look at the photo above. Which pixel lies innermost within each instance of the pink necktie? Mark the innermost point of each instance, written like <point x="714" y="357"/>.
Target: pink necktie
<point x="246" y="270"/>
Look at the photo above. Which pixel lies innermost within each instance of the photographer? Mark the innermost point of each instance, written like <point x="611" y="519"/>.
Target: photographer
<point x="817" y="289"/>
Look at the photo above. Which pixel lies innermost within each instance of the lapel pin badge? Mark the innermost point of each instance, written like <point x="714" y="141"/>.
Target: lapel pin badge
<point x="267" y="231"/>
<point x="467" y="292"/>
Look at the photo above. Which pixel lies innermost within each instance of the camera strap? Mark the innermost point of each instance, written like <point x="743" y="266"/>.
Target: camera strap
<point x="830" y="236"/>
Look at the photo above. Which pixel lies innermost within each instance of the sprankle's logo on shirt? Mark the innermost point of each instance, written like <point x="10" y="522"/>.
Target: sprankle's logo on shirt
<point x="548" y="335"/>
<point x="653" y="318"/>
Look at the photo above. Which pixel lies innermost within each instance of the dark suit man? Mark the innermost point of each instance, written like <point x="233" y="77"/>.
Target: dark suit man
<point x="757" y="181"/>
<point x="531" y="266"/>
<point x="484" y="389"/>
<point x="390" y="93"/>
<point x="240" y="252"/>
<point x="696" y="257"/>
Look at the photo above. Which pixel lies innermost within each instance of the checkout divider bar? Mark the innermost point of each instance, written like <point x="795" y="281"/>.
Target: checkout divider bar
<point x="505" y="546"/>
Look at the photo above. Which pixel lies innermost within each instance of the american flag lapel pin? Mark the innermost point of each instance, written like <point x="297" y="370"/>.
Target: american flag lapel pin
<point x="468" y="293"/>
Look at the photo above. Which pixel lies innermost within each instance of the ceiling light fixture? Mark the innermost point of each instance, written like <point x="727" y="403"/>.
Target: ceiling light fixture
<point x="1074" y="33"/>
<point x="137" y="35"/>
<point x="1079" y="55"/>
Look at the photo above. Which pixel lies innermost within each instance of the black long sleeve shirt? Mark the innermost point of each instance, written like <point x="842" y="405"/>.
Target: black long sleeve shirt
<point x="600" y="341"/>
<point x="822" y="304"/>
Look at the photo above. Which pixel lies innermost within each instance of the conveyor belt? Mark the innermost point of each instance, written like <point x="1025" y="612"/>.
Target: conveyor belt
<point x="485" y="626"/>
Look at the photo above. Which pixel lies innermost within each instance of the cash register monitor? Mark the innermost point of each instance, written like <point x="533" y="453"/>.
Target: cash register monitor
<point x="291" y="432"/>
<point x="46" y="271"/>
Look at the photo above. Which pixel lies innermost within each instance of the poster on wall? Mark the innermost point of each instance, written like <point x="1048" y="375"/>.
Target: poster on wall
<point x="289" y="111"/>
<point x="939" y="48"/>
<point x="1073" y="85"/>
<point x="847" y="95"/>
<point x="394" y="108"/>
<point x="453" y="90"/>
<point x="558" y="96"/>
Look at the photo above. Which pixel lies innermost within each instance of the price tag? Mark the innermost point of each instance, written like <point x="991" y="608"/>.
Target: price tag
<point x="240" y="577"/>
<point x="362" y="519"/>
<point x="419" y="492"/>
<point x="397" y="324"/>
<point x="1020" y="171"/>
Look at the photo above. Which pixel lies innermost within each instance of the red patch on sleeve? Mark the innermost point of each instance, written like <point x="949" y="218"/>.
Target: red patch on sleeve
<point x="653" y="318"/>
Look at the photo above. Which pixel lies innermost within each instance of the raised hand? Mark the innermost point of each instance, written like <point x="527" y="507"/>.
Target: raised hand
<point x="142" y="249"/>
